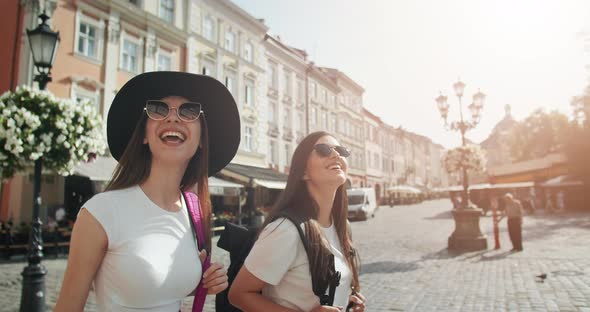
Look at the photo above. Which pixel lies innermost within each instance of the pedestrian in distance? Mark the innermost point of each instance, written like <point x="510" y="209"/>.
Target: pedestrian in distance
<point x="145" y="243"/>
<point x="278" y="274"/>
<point x="514" y="214"/>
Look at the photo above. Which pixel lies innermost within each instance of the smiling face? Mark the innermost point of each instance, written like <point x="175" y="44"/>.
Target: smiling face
<point x="171" y="139"/>
<point x="326" y="170"/>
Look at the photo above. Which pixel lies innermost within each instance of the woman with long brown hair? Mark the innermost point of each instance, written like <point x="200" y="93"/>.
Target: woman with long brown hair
<point x="277" y="274"/>
<point x="134" y="243"/>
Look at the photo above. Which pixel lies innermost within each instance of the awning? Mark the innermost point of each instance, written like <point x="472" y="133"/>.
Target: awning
<point x="513" y="185"/>
<point x="255" y="176"/>
<point x="222" y="187"/>
<point x="100" y="169"/>
<point x="487" y="186"/>
<point x="404" y="188"/>
<point x="275" y="185"/>
<point x="562" y="181"/>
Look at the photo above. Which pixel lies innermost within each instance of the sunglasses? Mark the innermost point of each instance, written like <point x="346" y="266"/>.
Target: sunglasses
<point x="325" y="150"/>
<point x="159" y="110"/>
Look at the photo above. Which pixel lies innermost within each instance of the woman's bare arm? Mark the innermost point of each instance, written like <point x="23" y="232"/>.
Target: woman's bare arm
<point x="245" y="294"/>
<point x="88" y="246"/>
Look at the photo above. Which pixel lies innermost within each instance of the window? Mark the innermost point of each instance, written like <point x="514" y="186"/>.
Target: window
<point x="249" y="139"/>
<point x="205" y="71"/>
<point x="324" y="120"/>
<point x="248" y="52"/>
<point x="230" y="40"/>
<point x="272" y="152"/>
<point x="324" y="95"/>
<point x="272" y="112"/>
<point x="300" y="91"/>
<point x="81" y="94"/>
<point x="333" y="123"/>
<point x="314" y="116"/>
<point x="164" y="61"/>
<point x="288" y="153"/>
<point x="249" y="93"/>
<point x="332" y="99"/>
<point x="229" y="84"/>
<point x="287" y="116"/>
<point x="167" y="10"/>
<point x="287" y="83"/>
<point x="314" y="90"/>
<point x="208" y="28"/>
<point x="87" y="41"/>
<point x="272" y="75"/>
<point x="376" y="161"/>
<point x="299" y="121"/>
<point x="130" y="56"/>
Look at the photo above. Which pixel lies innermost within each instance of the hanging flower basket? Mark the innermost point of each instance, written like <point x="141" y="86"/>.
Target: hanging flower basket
<point x="472" y="157"/>
<point x="35" y="124"/>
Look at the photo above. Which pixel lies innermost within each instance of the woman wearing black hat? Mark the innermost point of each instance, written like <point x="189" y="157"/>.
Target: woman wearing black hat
<point x="280" y="272"/>
<point x="134" y="243"/>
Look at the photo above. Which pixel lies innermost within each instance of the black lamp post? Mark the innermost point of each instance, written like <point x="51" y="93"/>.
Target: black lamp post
<point x="44" y="43"/>
<point x="467" y="235"/>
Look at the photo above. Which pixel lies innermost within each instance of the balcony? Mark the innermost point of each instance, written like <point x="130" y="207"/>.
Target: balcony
<point x="287" y="99"/>
<point x="287" y="133"/>
<point x="273" y="129"/>
<point x="299" y="137"/>
<point x="272" y="92"/>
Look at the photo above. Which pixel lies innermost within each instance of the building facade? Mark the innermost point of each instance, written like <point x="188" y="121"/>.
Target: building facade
<point x="281" y="95"/>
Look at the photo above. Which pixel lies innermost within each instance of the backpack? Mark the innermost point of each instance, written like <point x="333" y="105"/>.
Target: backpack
<point x="238" y="241"/>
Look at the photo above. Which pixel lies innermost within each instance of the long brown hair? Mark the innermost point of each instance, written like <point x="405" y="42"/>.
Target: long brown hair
<point x="135" y="164"/>
<point x="295" y="200"/>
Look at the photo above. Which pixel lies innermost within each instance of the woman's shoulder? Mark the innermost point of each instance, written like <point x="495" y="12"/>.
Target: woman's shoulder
<point x="115" y="196"/>
<point x="280" y="227"/>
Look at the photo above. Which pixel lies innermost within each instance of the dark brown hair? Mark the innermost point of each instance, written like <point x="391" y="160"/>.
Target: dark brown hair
<point x="295" y="200"/>
<point x="135" y="164"/>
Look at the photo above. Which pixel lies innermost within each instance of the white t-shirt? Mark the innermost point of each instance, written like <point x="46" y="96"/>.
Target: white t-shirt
<point x="279" y="259"/>
<point x="152" y="262"/>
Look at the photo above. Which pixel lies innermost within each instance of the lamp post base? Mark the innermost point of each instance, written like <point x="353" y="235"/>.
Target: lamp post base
<point x="33" y="293"/>
<point x="467" y="235"/>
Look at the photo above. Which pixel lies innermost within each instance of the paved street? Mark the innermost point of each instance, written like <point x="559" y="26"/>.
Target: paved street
<point x="405" y="265"/>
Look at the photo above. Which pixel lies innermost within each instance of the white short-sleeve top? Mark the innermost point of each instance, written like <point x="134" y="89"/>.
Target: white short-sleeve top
<point x="151" y="262"/>
<point x="279" y="259"/>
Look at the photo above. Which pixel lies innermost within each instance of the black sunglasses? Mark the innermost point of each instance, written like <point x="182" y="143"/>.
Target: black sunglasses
<point x="324" y="150"/>
<point x="159" y="110"/>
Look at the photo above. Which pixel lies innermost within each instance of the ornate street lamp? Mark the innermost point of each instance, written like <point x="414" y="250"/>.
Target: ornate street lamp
<point x="467" y="235"/>
<point x="44" y="43"/>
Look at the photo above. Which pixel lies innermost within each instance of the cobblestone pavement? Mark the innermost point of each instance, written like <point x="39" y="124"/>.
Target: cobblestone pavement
<point x="406" y="267"/>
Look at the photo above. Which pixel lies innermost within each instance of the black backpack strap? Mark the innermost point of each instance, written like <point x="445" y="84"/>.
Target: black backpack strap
<point x="325" y="299"/>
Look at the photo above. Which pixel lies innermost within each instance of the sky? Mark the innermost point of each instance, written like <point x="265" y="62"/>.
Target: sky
<point x="526" y="53"/>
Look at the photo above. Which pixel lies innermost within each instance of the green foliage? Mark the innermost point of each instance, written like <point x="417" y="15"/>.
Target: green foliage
<point x="578" y="144"/>
<point x="538" y="135"/>
<point x="36" y="125"/>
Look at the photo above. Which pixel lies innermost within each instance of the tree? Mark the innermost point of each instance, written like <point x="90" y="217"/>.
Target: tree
<point x="578" y="144"/>
<point x="538" y="135"/>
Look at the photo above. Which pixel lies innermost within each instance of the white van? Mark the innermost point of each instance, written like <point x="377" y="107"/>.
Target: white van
<point x="362" y="203"/>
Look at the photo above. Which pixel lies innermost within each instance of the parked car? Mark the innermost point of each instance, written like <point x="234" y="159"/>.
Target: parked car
<point x="362" y="203"/>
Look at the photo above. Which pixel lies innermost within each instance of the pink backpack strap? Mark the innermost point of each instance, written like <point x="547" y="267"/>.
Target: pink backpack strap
<point x="194" y="209"/>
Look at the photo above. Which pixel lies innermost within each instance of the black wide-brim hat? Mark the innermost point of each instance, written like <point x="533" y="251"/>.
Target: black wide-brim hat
<point x="219" y="107"/>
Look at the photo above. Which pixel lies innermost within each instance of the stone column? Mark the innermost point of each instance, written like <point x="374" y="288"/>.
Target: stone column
<point x="151" y="49"/>
<point x="111" y="60"/>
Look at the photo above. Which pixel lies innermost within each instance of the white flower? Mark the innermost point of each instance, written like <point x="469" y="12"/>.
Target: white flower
<point x="24" y="142"/>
